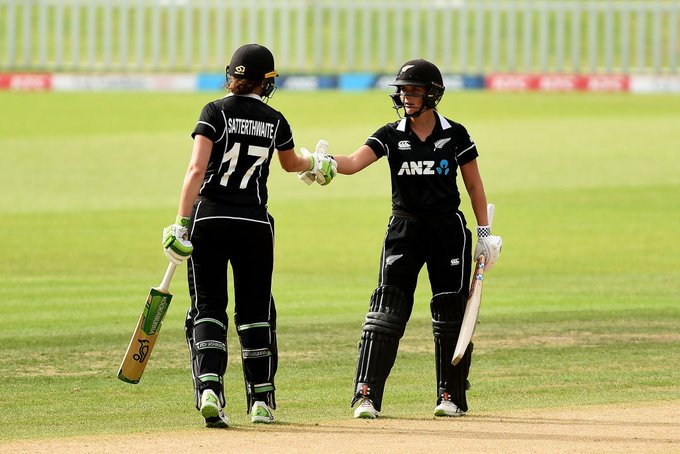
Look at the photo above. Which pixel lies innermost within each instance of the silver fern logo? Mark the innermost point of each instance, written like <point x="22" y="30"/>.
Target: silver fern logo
<point x="392" y="258"/>
<point x="440" y="143"/>
<point x="406" y="68"/>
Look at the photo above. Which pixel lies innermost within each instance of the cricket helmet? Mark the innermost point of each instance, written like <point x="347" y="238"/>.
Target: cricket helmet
<point x="420" y="73"/>
<point x="256" y="63"/>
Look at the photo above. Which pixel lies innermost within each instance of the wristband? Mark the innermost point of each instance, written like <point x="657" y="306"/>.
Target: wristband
<point x="182" y="221"/>
<point x="483" y="231"/>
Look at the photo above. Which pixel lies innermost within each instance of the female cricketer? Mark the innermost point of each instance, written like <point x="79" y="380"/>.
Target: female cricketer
<point x="223" y="219"/>
<point x="425" y="152"/>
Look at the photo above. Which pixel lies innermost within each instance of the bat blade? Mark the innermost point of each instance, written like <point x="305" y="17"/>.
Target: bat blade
<point x="467" y="329"/>
<point x="469" y="323"/>
<point x="144" y="337"/>
<point x="146" y="333"/>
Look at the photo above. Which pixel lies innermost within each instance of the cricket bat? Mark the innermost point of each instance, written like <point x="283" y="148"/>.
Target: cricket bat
<point x="147" y="330"/>
<point x="469" y="324"/>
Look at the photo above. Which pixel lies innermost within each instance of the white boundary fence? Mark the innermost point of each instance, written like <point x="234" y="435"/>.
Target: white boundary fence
<point x="330" y="36"/>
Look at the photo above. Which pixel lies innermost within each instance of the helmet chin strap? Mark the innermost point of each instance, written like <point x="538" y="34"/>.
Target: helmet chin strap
<point x="417" y="114"/>
<point x="400" y="105"/>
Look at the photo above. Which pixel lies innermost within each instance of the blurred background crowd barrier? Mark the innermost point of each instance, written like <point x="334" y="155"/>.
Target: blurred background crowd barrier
<point x="323" y="40"/>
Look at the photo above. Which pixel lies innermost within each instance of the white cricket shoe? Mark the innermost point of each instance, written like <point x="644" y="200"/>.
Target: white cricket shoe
<point x="366" y="410"/>
<point x="212" y="410"/>
<point x="447" y="408"/>
<point x="261" y="413"/>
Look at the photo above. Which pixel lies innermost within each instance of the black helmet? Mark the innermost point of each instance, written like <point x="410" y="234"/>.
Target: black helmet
<point x="422" y="73"/>
<point x="254" y="62"/>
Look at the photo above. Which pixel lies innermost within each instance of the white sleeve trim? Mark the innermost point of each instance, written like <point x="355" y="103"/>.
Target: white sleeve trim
<point x="280" y="147"/>
<point x="467" y="149"/>
<point x="206" y="123"/>
<point x="387" y="152"/>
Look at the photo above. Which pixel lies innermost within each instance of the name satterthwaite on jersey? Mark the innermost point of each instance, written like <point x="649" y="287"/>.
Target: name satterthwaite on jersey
<point x="251" y="127"/>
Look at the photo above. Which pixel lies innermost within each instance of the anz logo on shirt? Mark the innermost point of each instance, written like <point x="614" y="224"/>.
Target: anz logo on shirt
<point x="424" y="168"/>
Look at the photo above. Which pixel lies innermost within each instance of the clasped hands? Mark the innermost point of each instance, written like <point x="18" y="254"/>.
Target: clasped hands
<point x="322" y="166"/>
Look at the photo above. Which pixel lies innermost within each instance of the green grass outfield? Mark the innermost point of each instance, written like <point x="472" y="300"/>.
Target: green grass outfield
<point x="582" y="308"/>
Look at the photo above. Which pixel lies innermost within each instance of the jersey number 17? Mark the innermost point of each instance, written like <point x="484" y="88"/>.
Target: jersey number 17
<point x="231" y="157"/>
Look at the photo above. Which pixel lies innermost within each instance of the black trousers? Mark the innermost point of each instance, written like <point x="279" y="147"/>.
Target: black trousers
<point x="243" y="238"/>
<point x="442" y="242"/>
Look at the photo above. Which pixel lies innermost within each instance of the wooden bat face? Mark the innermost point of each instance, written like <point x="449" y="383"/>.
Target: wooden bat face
<point x="467" y="329"/>
<point x="145" y="336"/>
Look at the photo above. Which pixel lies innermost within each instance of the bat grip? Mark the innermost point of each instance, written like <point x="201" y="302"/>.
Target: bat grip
<point x="490" y="210"/>
<point x="165" y="283"/>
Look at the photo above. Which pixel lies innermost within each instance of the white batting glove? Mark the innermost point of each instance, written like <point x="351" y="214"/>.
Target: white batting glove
<point x="322" y="166"/>
<point x="308" y="175"/>
<point x="489" y="245"/>
<point x="176" y="244"/>
<point x="326" y="167"/>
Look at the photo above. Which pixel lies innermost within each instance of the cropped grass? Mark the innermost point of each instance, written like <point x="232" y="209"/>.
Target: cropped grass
<point x="582" y="308"/>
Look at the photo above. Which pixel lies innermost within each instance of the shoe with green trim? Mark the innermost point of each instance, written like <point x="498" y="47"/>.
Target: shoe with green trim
<point x="212" y="410"/>
<point x="260" y="413"/>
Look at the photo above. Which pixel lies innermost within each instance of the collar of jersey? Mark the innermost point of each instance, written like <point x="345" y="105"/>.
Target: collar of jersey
<point x="443" y="122"/>
<point x="249" y="95"/>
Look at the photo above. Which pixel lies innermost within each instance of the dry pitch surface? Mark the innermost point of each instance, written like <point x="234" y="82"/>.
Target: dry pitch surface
<point x="638" y="428"/>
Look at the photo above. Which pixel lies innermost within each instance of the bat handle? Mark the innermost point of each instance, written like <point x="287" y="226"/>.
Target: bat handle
<point x="490" y="209"/>
<point x="165" y="283"/>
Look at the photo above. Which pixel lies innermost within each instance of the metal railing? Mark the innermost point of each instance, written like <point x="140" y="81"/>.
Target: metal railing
<point x="330" y="36"/>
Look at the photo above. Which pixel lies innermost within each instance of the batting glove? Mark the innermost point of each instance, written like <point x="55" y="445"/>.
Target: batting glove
<point x="326" y="167"/>
<point x="322" y="166"/>
<point x="176" y="244"/>
<point x="489" y="245"/>
<point x="308" y="175"/>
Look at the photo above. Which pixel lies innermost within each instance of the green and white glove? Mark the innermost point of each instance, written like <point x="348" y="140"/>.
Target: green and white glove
<point x="308" y="175"/>
<point x="176" y="244"/>
<point x="322" y="166"/>
<point x="326" y="167"/>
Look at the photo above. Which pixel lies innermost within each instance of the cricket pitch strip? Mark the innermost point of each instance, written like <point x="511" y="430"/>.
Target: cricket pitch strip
<point x="625" y="428"/>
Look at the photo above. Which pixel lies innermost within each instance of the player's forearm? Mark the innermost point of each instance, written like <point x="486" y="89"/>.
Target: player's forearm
<point x="475" y="189"/>
<point x="478" y="201"/>
<point x="301" y="164"/>
<point x="192" y="184"/>
<point x="193" y="179"/>
<point x="346" y="165"/>
<point x="292" y="162"/>
<point x="355" y="162"/>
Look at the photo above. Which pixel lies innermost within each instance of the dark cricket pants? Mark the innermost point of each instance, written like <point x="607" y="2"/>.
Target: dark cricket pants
<point x="442" y="242"/>
<point x="244" y="238"/>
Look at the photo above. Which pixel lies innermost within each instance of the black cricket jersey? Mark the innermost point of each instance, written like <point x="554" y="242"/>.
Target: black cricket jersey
<point x="245" y="131"/>
<point x="424" y="173"/>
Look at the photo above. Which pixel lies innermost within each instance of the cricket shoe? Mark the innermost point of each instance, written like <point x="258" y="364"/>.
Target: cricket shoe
<point x="260" y="413"/>
<point x="366" y="410"/>
<point x="212" y="411"/>
<point x="447" y="408"/>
